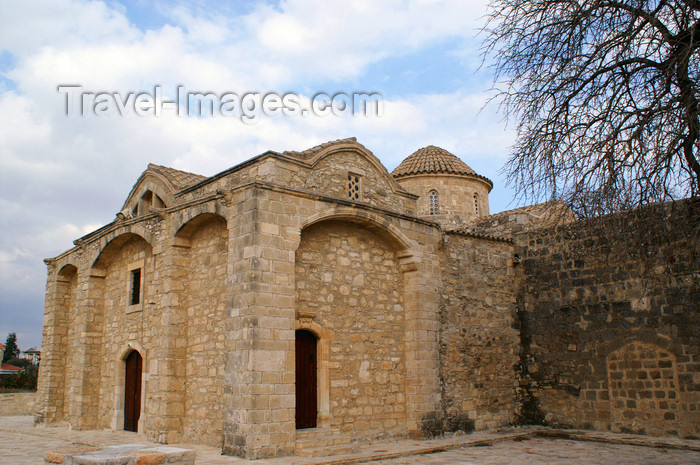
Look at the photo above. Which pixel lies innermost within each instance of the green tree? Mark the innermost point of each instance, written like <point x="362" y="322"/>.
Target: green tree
<point x="605" y="96"/>
<point x="11" y="349"/>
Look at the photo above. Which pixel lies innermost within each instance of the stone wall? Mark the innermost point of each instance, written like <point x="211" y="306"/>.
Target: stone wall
<point x="456" y="203"/>
<point x="60" y="337"/>
<point x="611" y="322"/>
<point x="478" y="340"/>
<point x="204" y="371"/>
<point x="70" y="312"/>
<point x="18" y="403"/>
<point x="349" y="278"/>
<point x="217" y="319"/>
<point x="122" y="323"/>
<point x="325" y="174"/>
<point x="330" y="177"/>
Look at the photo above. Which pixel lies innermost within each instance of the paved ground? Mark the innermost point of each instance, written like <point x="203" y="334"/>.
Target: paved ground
<point x="541" y="451"/>
<point x="23" y="444"/>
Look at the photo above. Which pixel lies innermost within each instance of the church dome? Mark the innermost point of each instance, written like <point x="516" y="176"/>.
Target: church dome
<point x="449" y="191"/>
<point x="432" y="160"/>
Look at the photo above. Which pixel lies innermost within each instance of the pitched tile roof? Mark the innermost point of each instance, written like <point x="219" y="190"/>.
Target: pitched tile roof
<point x="179" y="179"/>
<point x="430" y="160"/>
<point x="550" y="209"/>
<point x="309" y="153"/>
<point x="10" y="368"/>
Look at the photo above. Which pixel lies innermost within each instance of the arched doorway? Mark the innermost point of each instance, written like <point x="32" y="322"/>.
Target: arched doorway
<point x="132" y="391"/>
<point x="349" y="280"/>
<point x="306" y="379"/>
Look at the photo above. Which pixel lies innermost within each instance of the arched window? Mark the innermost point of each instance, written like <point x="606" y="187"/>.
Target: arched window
<point x="147" y="200"/>
<point x="434" y="205"/>
<point x="476" y="204"/>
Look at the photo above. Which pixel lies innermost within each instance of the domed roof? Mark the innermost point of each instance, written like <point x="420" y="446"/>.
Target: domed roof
<point x="432" y="160"/>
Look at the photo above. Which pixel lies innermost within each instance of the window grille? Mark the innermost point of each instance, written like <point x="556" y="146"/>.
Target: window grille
<point x="434" y="204"/>
<point x="354" y="186"/>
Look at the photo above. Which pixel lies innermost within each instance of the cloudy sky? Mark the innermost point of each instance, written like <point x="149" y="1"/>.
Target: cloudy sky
<point x="62" y="177"/>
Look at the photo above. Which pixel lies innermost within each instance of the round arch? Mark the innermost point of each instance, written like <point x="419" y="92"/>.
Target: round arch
<point x="408" y="251"/>
<point x="372" y="221"/>
<point x="119" y="363"/>
<point x="351" y="145"/>
<point x="323" y="338"/>
<point x="67" y="272"/>
<point x="644" y="334"/>
<point x="123" y="354"/>
<point x="152" y="181"/>
<point x="113" y="245"/>
<point x="191" y="223"/>
<point x="317" y="317"/>
<point x="633" y="370"/>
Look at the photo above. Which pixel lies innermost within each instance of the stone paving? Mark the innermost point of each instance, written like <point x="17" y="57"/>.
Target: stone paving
<point x="24" y="444"/>
<point x="541" y="451"/>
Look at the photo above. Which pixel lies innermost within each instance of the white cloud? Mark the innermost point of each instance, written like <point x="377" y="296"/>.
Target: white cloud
<point x="26" y="27"/>
<point x="339" y="39"/>
<point x="62" y="177"/>
<point x="92" y="44"/>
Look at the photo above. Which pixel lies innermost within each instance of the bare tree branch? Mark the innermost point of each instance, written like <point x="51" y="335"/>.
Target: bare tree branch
<point x="605" y="96"/>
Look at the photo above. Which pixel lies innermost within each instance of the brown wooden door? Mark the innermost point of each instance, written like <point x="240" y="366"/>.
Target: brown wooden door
<point x="306" y="379"/>
<point x="132" y="391"/>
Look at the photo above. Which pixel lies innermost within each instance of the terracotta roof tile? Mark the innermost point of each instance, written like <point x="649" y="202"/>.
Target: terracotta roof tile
<point x="8" y="367"/>
<point x="179" y="179"/>
<point x="549" y="209"/>
<point x="308" y="153"/>
<point x="429" y="160"/>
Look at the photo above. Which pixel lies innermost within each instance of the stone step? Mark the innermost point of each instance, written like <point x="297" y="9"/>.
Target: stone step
<point x="318" y="442"/>
<point x="327" y="450"/>
<point x="330" y="440"/>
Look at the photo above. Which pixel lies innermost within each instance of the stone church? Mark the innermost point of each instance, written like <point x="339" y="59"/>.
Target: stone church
<point x="313" y="298"/>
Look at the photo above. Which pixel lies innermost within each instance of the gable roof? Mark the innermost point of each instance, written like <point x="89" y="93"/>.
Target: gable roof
<point x="167" y="181"/>
<point x="309" y="153"/>
<point x="550" y="210"/>
<point x="6" y="368"/>
<point x="178" y="179"/>
<point x="510" y="222"/>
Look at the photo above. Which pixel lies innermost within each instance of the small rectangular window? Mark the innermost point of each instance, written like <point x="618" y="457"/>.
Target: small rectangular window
<point x="354" y="186"/>
<point x="135" y="296"/>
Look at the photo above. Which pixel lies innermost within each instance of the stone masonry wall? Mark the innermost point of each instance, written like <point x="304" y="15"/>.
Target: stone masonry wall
<point x="204" y="380"/>
<point x="327" y="177"/>
<point x="69" y="306"/>
<point x="350" y="278"/>
<point x="17" y="403"/>
<point x="478" y="340"/>
<point x="456" y="204"/>
<point x="330" y="177"/>
<point x="123" y="323"/>
<point x="612" y="322"/>
<point x="203" y="280"/>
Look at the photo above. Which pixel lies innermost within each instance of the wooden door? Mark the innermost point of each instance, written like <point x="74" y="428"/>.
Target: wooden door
<point x="132" y="391"/>
<point x="306" y="384"/>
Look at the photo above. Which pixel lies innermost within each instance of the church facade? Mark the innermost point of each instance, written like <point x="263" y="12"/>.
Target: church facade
<point x="315" y="294"/>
